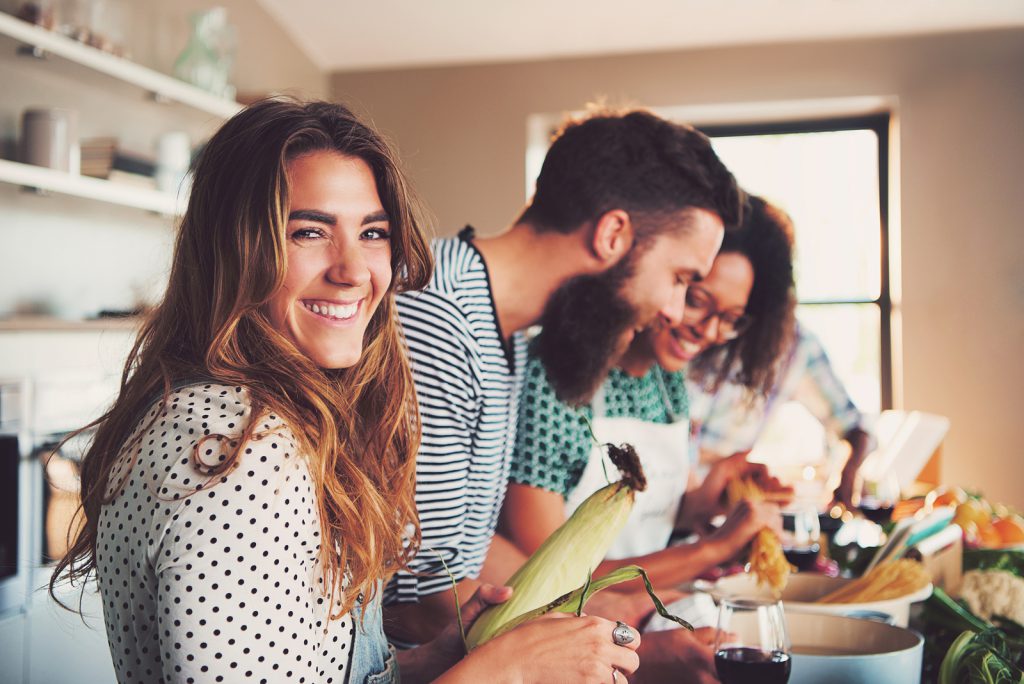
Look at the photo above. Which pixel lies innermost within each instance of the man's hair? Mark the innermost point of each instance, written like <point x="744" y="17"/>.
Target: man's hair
<point x="635" y="161"/>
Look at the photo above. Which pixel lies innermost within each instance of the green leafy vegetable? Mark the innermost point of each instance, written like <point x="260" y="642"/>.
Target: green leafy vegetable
<point x="988" y="656"/>
<point x="1011" y="560"/>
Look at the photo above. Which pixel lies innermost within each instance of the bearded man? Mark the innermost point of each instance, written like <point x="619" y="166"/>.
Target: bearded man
<point x="629" y="209"/>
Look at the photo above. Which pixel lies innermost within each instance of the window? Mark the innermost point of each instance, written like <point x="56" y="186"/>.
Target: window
<point x="831" y="177"/>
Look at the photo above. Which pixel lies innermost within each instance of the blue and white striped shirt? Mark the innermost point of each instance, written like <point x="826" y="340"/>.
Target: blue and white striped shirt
<point x="468" y="384"/>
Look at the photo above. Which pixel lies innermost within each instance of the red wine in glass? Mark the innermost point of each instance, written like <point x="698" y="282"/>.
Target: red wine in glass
<point x="805" y="558"/>
<point x="751" y="646"/>
<point x="747" y="665"/>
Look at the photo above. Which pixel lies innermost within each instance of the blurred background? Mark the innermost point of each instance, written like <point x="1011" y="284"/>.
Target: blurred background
<point x="891" y="132"/>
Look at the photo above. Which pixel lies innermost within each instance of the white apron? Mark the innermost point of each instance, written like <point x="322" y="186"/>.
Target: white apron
<point x="664" y="454"/>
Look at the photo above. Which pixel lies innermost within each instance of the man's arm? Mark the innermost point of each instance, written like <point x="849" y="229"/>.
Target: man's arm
<point x="839" y="412"/>
<point x="420" y="601"/>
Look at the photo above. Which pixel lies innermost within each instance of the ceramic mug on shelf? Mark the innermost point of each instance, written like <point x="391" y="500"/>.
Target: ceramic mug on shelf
<point x="49" y="137"/>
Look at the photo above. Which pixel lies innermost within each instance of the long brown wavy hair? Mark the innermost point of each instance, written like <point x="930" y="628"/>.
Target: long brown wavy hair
<point x="358" y="426"/>
<point x="765" y="238"/>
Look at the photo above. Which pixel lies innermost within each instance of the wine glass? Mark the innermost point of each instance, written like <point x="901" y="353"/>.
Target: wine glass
<point x="751" y="643"/>
<point x="801" y="535"/>
<point x="879" y="496"/>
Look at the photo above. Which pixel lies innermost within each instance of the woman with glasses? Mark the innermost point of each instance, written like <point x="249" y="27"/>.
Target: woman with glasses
<point x="745" y="306"/>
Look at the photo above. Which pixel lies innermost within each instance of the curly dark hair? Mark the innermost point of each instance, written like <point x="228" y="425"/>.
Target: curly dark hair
<point x="632" y="160"/>
<point x="765" y="238"/>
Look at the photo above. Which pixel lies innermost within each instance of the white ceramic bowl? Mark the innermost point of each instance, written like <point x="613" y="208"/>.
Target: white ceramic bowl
<point x="804" y="589"/>
<point x="872" y="652"/>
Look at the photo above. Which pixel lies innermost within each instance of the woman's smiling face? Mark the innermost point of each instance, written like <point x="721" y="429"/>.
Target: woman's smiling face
<point x="338" y="258"/>
<point x="725" y="291"/>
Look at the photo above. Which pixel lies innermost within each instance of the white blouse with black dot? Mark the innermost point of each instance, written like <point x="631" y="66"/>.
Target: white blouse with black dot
<point x="215" y="578"/>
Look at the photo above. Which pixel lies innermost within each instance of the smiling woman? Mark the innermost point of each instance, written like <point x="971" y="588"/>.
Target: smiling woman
<point x="252" y="485"/>
<point x="339" y="258"/>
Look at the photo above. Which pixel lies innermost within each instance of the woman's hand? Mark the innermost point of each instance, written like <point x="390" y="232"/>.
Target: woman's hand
<point x="710" y="499"/>
<point x="745" y="520"/>
<point x="557" y="647"/>
<point x="861" y="443"/>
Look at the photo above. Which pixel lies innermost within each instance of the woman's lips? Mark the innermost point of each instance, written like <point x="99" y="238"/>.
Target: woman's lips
<point x="683" y="348"/>
<point x="332" y="311"/>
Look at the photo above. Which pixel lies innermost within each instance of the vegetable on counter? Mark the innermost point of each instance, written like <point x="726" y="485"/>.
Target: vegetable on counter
<point x="970" y="648"/>
<point x="1011" y="560"/>
<point x="988" y="656"/>
<point x="994" y="593"/>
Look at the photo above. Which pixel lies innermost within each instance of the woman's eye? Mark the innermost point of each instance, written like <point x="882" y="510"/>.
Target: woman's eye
<point x="307" y="233"/>
<point x="376" y="234"/>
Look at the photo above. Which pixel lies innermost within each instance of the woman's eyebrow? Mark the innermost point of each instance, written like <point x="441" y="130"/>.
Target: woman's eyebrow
<point x="313" y="215"/>
<point x="375" y="217"/>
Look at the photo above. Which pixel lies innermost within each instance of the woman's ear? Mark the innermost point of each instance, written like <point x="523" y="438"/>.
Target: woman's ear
<point x="612" y="237"/>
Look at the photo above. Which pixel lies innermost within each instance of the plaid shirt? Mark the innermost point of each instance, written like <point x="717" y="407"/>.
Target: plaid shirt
<point x="726" y="422"/>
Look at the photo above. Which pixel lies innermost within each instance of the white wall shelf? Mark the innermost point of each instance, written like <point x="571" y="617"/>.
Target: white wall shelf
<point x="51" y="324"/>
<point x="49" y="180"/>
<point x="160" y="85"/>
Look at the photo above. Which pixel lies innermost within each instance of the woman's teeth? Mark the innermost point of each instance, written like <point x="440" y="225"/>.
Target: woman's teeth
<point x="689" y="347"/>
<point x="339" y="311"/>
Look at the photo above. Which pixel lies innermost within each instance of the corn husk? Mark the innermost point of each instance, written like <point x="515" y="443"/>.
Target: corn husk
<point x="558" y="576"/>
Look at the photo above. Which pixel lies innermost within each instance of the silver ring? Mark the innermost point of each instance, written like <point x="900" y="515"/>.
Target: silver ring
<point x="615" y="676"/>
<point x="622" y="634"/>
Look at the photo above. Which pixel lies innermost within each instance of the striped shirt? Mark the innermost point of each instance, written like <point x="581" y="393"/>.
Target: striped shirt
<point x="467" y="383"/>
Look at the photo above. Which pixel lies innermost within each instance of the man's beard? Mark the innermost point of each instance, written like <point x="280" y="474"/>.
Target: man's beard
<point x="586" y="327"/>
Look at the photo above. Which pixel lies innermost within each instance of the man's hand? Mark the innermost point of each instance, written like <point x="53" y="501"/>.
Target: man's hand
<point x="427" y="662"/>
<point x="677" y="655"/>
<point x="420" y="623"/>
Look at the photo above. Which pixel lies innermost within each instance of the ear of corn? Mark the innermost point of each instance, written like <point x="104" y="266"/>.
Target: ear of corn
<point x="574" y="601"/>
<point x="566" y="559"/>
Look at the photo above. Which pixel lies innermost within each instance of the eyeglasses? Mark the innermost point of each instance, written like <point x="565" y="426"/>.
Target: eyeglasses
<point x="701" y="308"/>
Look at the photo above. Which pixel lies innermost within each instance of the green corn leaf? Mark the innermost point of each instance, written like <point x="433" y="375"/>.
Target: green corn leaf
<point x="574" y="601"/>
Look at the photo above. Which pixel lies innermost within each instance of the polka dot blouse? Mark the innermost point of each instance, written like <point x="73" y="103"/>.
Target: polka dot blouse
<point x="215" y="578"/>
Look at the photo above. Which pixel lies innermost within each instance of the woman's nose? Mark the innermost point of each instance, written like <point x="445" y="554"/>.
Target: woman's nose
<point x="349" y="266"/>
<point x="710" y="328"/>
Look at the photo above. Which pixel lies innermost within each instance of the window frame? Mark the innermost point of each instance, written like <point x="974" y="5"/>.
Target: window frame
<point x="880" y="124"/>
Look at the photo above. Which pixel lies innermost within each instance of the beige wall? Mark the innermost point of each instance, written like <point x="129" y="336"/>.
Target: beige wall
<point x="462" y="132"/>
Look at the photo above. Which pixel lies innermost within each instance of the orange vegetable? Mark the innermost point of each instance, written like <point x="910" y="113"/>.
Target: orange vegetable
<point x="1011" y="530"/>
<point x="989" y="535"/>
<point x="952" y="496"/>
